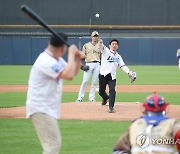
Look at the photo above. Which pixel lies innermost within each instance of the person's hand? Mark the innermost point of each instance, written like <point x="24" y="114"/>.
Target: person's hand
<point x="100" y="44"/>
<point x="132" y="76"/>
<point x="80" y="55"/>
<point x="73" y="50"/>
<point x="100" y="41"/>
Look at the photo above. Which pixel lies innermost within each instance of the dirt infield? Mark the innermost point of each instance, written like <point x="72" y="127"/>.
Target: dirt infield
<point x="92" y="111"/>
<point x="119" y="88"/>
<point x="95" y="111"/>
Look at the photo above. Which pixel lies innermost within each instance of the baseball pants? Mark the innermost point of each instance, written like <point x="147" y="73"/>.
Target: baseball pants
<point x="103" y="81"/>
<point x="48" y="132"/>
<point x="94" y="72"/>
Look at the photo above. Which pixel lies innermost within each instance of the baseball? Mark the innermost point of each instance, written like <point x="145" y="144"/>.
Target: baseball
<point x="137" y="102"/>
<point x="97" y="15"/>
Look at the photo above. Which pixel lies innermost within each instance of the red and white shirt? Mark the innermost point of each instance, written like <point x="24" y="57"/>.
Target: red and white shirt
<point x="45" y="85"/>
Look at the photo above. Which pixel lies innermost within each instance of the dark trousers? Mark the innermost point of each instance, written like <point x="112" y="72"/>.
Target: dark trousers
<point x="103" y="81"/>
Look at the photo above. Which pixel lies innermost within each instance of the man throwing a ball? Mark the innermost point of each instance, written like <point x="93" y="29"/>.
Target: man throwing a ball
<point x="110" y="60"/>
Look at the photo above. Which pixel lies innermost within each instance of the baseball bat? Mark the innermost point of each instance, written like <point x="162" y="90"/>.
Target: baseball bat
<point x="39" y="20"/>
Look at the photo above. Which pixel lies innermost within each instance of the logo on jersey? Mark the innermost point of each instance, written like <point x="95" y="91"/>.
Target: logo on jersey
<point x="111" y="59"/>
<point x="56" y="68"/>
<point x="142" y="141"/>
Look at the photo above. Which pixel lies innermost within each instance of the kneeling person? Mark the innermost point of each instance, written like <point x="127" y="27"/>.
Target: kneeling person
<point x="153" y="125"/>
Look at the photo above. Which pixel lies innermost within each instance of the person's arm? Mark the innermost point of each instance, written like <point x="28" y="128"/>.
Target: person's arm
<point x="178" y="53"/>
<point x="103" y="48"/>
<point x="131" y="74"/>
<point x="84" y="67"/>
<point x="84" y="49"/>
<point x="123" y="144"/>
<point x="73" y="65"/>
<point x="123" y="66"/>
<point x="79" y="57"/>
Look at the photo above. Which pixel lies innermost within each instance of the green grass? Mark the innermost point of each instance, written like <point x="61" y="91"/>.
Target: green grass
<point x="172" y="98"/>
<point x="17" y="136"/>
<point x="10" y="99"/>
<point x="153" y="75"/>
<point x="17" y="74"/>
<point x="97" y="137"/>
<point x="145" y="75"/>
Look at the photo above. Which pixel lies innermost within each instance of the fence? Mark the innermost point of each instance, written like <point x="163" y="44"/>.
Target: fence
<point x="23" y="50"/>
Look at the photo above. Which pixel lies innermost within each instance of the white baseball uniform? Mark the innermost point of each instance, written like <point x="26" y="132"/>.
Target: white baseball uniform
<point x="44" y="98"/>
<point x="92" y="59"/>
<point x="110" y="62"/>
<point x="178" y="56"/>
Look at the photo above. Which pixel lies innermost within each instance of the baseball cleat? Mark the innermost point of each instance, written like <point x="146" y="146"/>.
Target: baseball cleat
<point x="111" y="110"/>
<point x="104" y="102"/>
<point x="93" y="100"/>
<point x="78" y="101"/>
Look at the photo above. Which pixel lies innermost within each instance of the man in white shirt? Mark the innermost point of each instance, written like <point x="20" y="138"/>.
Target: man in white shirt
<point x="45" y="89"/>
<point x="110" y="60"/>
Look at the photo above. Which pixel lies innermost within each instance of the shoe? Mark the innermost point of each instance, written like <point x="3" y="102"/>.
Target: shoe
<point x="104" y="102"/>
<point x="92" y="100"/>
<point x="78" y="101"/>
<point x="111" y="110"/>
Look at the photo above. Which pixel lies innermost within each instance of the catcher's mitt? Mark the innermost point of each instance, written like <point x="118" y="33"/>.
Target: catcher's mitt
<point x="84" y="68"/>
<point x="132" y="76"/>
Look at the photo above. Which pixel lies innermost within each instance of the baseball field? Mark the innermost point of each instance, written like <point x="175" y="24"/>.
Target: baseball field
<point x="86" y="128"/>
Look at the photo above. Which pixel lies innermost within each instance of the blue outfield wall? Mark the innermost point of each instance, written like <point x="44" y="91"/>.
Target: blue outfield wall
<point x="138" y="51"/>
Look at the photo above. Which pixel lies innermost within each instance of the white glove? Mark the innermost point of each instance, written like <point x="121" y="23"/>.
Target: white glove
<point x="132" y="76"/>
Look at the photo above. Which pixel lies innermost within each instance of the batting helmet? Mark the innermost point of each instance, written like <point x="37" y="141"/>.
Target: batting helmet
<point x="155" y="103"/>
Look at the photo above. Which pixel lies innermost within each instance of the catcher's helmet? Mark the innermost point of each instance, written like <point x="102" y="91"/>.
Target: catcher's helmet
<point x="155" y="103"/>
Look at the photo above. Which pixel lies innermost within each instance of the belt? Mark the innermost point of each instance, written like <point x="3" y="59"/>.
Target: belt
<point x="93" y="62"/>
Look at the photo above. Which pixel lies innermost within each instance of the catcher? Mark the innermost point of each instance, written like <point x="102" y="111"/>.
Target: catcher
<point x="178" y="56"/>
<point x="154" y="125"/>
